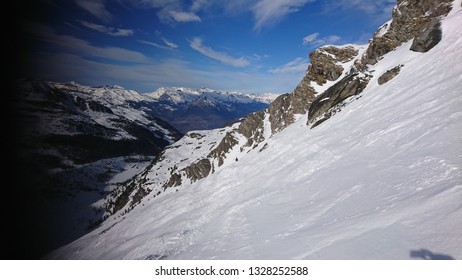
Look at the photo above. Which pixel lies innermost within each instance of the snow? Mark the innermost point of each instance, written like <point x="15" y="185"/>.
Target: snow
<point x="180" y="95"/>
<point x="376" y="181"/>
<point x="384" y="28"/>
<point x="72" y="215"/>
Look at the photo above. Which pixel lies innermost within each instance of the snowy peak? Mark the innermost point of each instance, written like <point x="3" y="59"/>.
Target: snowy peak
<point x="185" y="95"/>
<point x="205" y="108"/>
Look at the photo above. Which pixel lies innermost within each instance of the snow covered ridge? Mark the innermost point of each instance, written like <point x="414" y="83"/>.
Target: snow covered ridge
<point x="182" y="95"/>
<point x="202" y="109"/>
<point x="378" y="177"/>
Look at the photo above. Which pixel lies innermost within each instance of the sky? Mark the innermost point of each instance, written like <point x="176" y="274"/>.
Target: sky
<point x="252" y="46"/>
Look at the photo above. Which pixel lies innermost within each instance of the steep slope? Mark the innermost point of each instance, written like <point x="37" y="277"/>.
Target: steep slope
<point x="336" y="76"/>
<point x="376" y="179"/>
<point x="201" y="109"/>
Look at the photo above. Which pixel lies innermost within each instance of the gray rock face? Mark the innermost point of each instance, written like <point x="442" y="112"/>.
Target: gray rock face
<point x="325" y="66"/>
<point x="252" y="128"/>
<point x="226" y="144"/>
<point x="323" y="104"/>
<point x="430" y="37"/>
<point x="390" y="74"/>
<point x="198" y="170"/>
<point x="325" y="63"/>
<point x="410" y="19"/>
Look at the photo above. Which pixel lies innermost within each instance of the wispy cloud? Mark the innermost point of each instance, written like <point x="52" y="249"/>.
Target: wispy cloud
<point x="314" y="40"/>
<point x="95" y="7"/>
<point x="180" y="16"/>
<point x="197" y="45"/>
<point x="169" y="43"/>
<point x="72" y="44"/>
<point x="296" y="66"/>
<point x="172" y="11"/>
<point x="154" y="45"/>
<point x="113" y="31"/>
<point x="271" y="12"/>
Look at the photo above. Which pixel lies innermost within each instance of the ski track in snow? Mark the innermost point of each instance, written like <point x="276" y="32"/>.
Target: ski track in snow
<point x="376" y="181"/>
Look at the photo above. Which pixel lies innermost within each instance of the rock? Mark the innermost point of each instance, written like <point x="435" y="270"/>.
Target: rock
<point x="409" y="20"/>
<point x="281" y="114"/>
<point x="198" y="170"/>
<point x="326" y="102"/>
<point x="226" y="144"/>
<point x="325" y="65"/>
<point x="430" y="37"/>
<point x="390" y="74"/>
<point x="252" y="128"/>
<point x="175" y="180"/>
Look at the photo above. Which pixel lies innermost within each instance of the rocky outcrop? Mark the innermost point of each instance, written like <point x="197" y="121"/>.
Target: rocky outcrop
<point x="280" y="111"/>
<point x="430" y="37"/>
<point x="418" y="20"/>
<point x="390" y="74"/>
<point x="410" y="20"/>
<point x="252" y="128"/>
<point x="322" y="107"/>
<point x="326" y="65"/>
<point x="198" y="170"/>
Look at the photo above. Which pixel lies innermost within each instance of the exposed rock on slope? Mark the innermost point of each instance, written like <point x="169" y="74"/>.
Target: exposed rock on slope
<point x="410" y="20"/>
<point x="326" y="103"/>
<point x="390" y="74"/>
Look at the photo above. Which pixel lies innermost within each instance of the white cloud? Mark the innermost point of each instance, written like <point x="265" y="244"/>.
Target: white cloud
<point x="270" y="12"/>
<point x="313" y="40"/>
<point x="296" y="66"/>
<point x="154" y="45"/>
<point x="95" y="7"/>
<point x="310" y="38"/>
<point x="168" y="43"/>
<point x="184" y="16"/>
<point x="198" y="5"/>
<point x="197" y="45"/>
<point x="117" y="32"/>
<point x="73" y="44"/>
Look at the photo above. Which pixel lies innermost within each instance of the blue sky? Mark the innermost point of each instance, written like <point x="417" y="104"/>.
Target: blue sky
<point x="245" y="45"/>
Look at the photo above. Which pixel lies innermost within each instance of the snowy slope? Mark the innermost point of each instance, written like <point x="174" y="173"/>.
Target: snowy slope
<point x="381" y="179"/>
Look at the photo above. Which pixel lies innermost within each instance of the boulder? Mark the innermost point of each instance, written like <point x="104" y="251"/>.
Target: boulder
<point x="390" y="74"/>
<point x="431" y="35"/>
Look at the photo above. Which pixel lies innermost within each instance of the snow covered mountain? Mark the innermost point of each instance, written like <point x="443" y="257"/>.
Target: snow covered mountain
<point x="362" y="161"/>
<point x="188" y="109"/>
